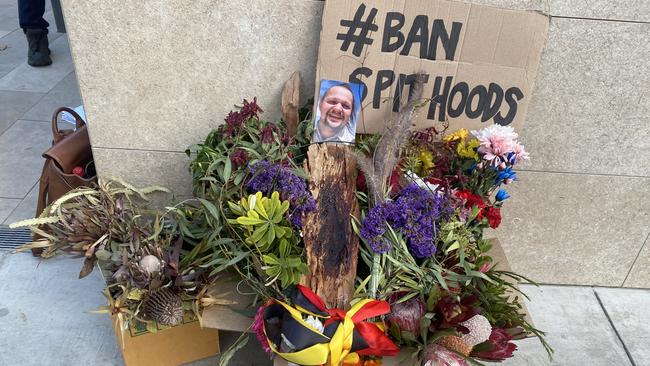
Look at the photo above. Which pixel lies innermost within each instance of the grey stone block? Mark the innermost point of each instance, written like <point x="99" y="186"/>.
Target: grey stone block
<point x="635" y="10"/>
<point x="21" y="147"/>
<point x="639" y="275"/>
<point x="576" y="328"/>
<point x="575" y="229"/>
<point x="146" y="168"/>
<point x="590" y="109"/>
<point x="628" y="310"/>
<point x="183" y="67"/>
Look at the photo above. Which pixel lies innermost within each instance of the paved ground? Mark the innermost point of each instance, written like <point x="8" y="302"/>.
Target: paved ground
<point x="43" y="319"/>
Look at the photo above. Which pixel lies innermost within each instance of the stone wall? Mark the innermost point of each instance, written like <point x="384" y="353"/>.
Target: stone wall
<point x="156" y="76"/>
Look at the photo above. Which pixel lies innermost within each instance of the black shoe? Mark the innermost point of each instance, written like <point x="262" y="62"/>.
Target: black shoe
<point x="38" y="53"/>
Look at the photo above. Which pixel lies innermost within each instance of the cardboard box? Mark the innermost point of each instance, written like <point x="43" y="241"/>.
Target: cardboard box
<point x="170" y="346"/>
<point x="480" y="61"/>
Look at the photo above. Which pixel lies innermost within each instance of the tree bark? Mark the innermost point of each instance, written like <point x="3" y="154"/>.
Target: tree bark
<point x="331" y="245"/>
<point x="290" y="101"/>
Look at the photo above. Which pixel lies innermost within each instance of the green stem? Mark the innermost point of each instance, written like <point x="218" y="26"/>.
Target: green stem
<point x="374" y="275"/>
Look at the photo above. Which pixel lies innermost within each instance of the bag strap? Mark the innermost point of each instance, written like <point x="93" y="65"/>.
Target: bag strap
<point x="57" y="135"/>
<point x="42" y="188"/>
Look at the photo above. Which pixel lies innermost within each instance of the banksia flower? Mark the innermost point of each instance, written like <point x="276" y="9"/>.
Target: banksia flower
<point x="456" y="344"/>
<point x="164" y="306"/>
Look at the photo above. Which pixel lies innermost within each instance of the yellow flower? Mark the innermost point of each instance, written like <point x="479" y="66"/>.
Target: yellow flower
<point x="458" y="135"/>
<point x="467" y="149"/>
<point x="426" y="158"/>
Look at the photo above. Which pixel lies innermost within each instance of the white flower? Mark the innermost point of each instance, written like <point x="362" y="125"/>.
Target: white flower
<point x="479" y="330"/>
<point x="315" y="323"/>
<point x="420" y="182"/>
<point x="506" y="132"/>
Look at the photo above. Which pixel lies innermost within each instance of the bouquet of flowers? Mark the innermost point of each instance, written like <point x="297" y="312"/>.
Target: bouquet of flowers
<point x="427" y="254"/>
<point x="427" y="200"/>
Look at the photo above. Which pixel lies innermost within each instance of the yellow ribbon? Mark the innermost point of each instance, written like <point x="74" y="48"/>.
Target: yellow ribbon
<point x="338" y="348"/>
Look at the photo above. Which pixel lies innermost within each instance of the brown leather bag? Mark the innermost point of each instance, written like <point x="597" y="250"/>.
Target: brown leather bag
<point x="70" y="148"/>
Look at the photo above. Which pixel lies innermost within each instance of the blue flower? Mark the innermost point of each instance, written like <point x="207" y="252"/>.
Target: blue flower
<point x="502" y="195"/>
<point x="506" y="174"/>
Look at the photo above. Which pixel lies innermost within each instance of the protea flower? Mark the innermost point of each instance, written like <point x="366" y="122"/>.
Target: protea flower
<point x="407" y="314"/>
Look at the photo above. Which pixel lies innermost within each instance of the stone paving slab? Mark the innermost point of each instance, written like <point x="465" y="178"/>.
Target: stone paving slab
<point x="26" y="209"/>
<point x="21" y="164"/>
<point x="628" y="310"/>
<point x="13" y="104"/>
<point x="40" y="79"/>
<point x="45" y="319"/>
<point x="64" y="94"/>
<point x="576" y="327"/>
<point x="7" y="206"/>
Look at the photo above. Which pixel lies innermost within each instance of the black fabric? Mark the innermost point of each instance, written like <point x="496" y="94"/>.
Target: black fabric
<point x="30" y="14"/>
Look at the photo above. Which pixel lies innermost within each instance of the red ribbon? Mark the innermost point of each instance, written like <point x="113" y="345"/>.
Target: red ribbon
<point x="378" y="342"/>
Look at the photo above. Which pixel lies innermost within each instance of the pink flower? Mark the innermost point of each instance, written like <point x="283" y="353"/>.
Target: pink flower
<point x="258" y="329"/>
<point x="437" y="355"/>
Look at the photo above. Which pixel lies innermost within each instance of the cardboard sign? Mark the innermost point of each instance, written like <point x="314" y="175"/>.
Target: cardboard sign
<point x="480" y="61"/>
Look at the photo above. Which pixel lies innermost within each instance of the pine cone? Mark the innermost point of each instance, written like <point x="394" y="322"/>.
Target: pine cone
<point x="164" y="306"/>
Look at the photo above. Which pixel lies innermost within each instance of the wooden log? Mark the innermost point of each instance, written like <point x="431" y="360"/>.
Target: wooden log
<point x="331" y="245"/>
<point x="290" y="103"/>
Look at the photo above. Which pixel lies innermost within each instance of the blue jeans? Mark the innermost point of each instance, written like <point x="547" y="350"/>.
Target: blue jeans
<point x="30" y="14"/>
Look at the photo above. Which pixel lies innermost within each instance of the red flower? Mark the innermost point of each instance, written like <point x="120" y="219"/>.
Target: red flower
<point x="493" y="215"/>
<point x="239" y="157"/>
<point x="471" y="199"/>
<point x="362" y="186"/>
<point x="250" y="109"/>
<point x="394" y="179"/>
<point x="501" y="347"/>
<point x="267" y="134"/>
<point x="454" y="311"/>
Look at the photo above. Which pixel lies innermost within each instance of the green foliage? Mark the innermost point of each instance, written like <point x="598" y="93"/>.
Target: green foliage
<point x="262" y="223"/>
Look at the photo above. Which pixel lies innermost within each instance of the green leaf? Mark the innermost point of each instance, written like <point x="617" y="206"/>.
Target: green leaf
<point x="227" y="169"/>
<point x="249" y="221"/>
<point x="212" y="209"/>
<point x="259" y="233"/>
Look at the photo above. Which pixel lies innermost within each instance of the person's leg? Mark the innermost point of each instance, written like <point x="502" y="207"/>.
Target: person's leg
<point x="30" y="16"/>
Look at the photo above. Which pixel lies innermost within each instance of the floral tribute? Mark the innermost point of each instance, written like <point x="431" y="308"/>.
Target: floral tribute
<point x="426" y="287"/>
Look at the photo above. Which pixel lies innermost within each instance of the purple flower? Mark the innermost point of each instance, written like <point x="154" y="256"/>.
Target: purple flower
<point x="268" y="177"/>
<point x="416" y="213"/>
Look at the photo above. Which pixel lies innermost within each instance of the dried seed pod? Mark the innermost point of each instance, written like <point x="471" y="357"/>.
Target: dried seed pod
<point x="164" y="306"/>
<point x="150" y="263"/>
